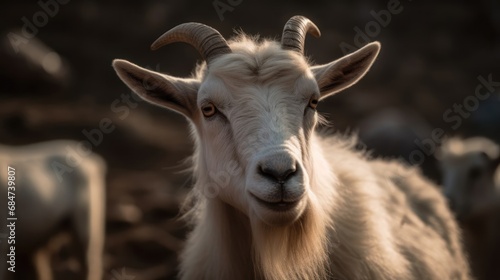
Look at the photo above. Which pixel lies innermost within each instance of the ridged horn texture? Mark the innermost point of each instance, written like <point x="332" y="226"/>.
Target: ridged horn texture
<point x="208" y="41"/>
<point x="295" y="31"/>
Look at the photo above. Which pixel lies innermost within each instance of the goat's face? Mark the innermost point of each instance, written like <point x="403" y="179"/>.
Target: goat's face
<point x="465" y="181"/>
<point x="254" y="112"/>
<point x="258" y="116"/>
<point x="468" y="171"/>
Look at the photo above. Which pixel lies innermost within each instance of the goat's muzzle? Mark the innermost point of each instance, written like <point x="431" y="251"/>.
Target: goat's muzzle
<point x="276" y="187"/>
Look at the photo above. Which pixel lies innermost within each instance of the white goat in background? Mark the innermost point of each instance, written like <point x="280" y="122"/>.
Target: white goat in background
<point x="55" y="182"/>
<point x="272" y="199"/>
<point x="471" y="182"/>
<point x="471" y="174"/>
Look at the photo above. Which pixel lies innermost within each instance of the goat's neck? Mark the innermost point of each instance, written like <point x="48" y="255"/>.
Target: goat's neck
<point x="222" y="236"/>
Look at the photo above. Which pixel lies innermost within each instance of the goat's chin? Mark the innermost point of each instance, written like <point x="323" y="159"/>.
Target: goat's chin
<point x="279" y="217"/>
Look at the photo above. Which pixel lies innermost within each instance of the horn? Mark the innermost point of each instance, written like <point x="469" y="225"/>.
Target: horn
<point x="208" y="41"/>
<point x="294" y="33"/>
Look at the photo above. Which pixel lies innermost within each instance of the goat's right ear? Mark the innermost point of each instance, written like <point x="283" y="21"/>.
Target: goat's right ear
<point x="174" y="93"/>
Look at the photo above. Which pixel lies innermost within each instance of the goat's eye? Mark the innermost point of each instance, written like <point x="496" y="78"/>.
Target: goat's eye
<point x="474" y="173"/>
<point x="313" y="102"/>
<point x="208" y="110"/>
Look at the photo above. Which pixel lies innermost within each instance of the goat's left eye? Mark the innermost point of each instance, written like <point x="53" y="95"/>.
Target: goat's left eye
<point x="313" y="102"/>
<point x="208" y="110"/>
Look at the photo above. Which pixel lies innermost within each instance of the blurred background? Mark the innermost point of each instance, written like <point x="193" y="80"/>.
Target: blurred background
<point x="56" y="81"/>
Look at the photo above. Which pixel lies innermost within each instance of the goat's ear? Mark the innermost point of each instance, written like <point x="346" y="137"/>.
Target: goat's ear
<point x="174" y="93"/>
<point x="346" y="71"/>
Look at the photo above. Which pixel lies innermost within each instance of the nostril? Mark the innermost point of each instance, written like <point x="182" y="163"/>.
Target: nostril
<point x="288" y="173"/>
<point x="276" y="174"/>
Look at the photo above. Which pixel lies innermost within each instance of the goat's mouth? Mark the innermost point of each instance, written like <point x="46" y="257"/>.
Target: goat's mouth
<point x="280" y="206"/>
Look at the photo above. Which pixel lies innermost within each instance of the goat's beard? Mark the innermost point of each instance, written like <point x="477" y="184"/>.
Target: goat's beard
<point x="296" y="251"/>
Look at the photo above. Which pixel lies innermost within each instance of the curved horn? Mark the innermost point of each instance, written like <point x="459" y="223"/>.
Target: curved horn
<point x="294" y="33"/>
<point x="205" y="39"/>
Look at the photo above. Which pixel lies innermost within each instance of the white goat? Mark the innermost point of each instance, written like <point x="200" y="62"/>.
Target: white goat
<point x="56" y="181"/>
<point x="471" y="181"/>
<point x="471" y="174"/>
<point x="272" y="199"/>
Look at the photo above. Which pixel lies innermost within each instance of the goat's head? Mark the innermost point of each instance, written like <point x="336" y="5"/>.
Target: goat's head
<point x="468" y="167"/>
<point x="253" y="107"/>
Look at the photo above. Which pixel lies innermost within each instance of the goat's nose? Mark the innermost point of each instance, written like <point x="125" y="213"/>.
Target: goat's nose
<point x="278" y="169"/>
<point x="278" y="175"/>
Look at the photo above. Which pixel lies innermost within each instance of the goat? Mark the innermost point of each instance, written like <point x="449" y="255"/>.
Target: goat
<point x="274" y="200"/>
<point x="471" y="183"/>
<point x="56" y="182"/>
<point x="470" y="172"/>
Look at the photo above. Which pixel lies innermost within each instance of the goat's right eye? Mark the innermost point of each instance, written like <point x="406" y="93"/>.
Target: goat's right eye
<point x="313" y="102"/>
<point x="208" y="110"/>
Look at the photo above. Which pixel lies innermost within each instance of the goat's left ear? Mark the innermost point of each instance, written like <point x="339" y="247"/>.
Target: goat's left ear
<point x="346" y="71"/>
<point x="170" y="92"/>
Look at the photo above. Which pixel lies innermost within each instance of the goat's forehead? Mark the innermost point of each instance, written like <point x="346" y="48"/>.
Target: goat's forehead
<point x="261" y="64"/>
<point x="243" y="77"/>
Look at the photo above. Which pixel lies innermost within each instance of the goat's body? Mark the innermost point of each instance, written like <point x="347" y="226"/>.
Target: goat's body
<point x="45" y="200"/>
<point x="385" y="222"/>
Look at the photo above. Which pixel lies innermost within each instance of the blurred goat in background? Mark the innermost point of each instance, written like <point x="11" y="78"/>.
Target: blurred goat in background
<point x="471" y="183"/>
<point x="57" y="183"/>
